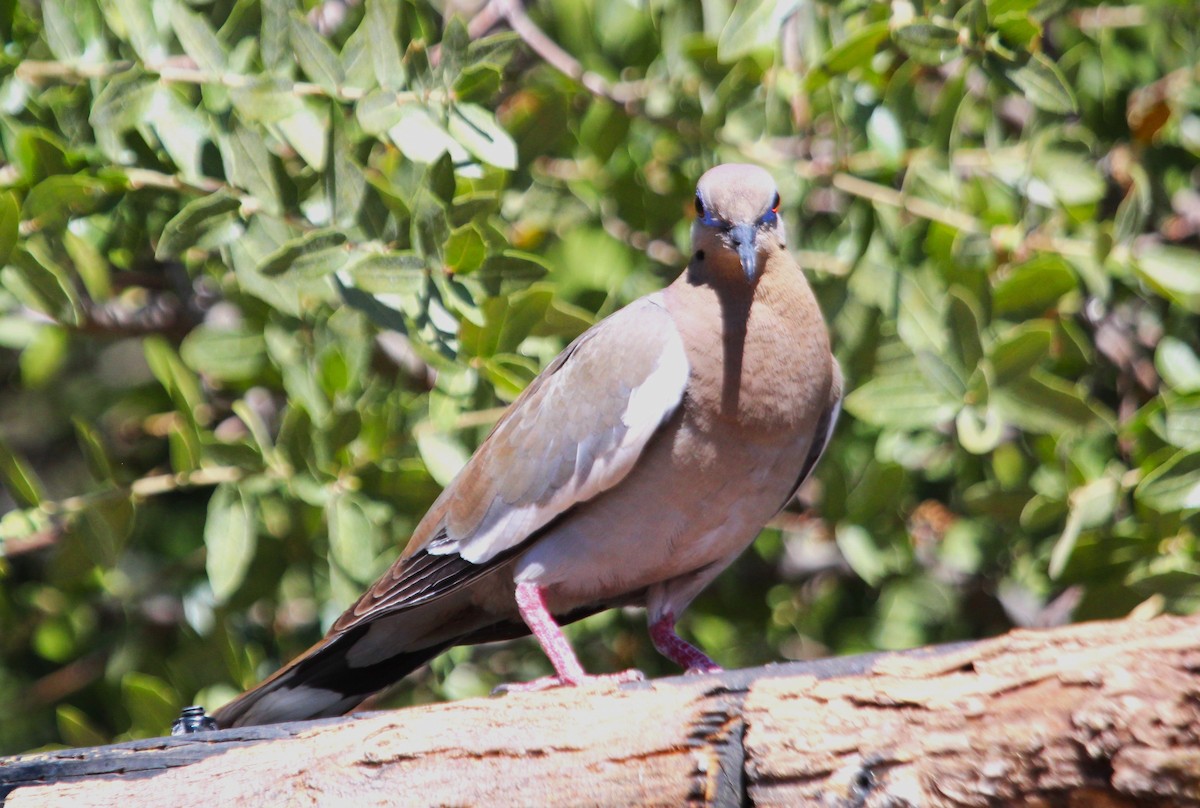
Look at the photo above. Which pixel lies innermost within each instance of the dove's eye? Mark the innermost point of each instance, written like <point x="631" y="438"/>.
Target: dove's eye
<point x="699" y="207"/>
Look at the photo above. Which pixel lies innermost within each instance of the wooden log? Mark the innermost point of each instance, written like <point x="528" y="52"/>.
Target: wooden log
<point x="1099" y="714"/>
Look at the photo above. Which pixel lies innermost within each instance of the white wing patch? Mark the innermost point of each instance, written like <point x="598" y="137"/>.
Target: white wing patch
<point x="602" y="458"/>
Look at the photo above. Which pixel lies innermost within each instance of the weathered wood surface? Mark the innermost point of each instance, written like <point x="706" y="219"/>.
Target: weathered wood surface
<point x="1100" y="714"/>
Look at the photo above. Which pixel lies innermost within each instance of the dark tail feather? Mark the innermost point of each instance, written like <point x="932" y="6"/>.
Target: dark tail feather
<point x="320" y="683"/>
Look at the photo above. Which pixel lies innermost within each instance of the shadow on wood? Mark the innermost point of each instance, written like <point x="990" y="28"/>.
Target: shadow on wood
<point x="1099" y="714"/>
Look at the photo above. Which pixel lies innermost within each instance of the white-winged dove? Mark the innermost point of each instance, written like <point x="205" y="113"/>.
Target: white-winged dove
<point x="633" y="470"/>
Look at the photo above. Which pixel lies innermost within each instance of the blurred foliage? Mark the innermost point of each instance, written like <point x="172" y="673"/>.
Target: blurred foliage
<point x="269" y="272"/>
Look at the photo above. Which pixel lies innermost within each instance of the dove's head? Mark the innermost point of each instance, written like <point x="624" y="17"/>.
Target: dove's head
<point x="737" y="218"/>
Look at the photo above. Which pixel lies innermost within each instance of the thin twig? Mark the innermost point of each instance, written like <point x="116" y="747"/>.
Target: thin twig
<point x="664" y="252"/>
<point x="1095" y="19"/>
<point x="915" y="205"/>
<point x="146" y="487"/>
<point x="42" y="72"/>
<point x="624" y="93"/>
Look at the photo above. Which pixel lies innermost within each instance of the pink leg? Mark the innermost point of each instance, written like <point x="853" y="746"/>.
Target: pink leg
<point x="677" y="649"/>
<point x="532" y="604"/>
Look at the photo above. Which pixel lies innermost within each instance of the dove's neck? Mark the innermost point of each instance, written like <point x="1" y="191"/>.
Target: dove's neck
<point x="759" y="353"/>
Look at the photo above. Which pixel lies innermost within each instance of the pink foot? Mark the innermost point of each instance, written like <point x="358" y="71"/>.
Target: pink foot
<point x="531" y="602"/>
<point x="678" y="650"/>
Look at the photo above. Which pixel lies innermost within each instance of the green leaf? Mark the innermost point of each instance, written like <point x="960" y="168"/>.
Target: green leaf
<point x="1019" y="351"/>
<point x="197" y="220"/>
<point x="1044" y="85"/>
<point x="1073" y="178"/>
<point x="904" y="400"/>
<point x="439" y="178"/>
<point x="151" y="702"/>
<point x="920" y="321"/>
<point x="378" y="111"/>
<point x="510" y="270"/>
<point x="265" y="99"/>
<point x="1018" y="29"/>
<point x="510" y="374"/>
<point x="861" y="552"/>
<point x="91" y="267"/>
<point x="419" y="137"/>
<point x="316" y="58"/>
<point x="384" y="310"/>
<point x="93" y="451"/>
<point x="1089" y="506"/>
<point x="886" y="137"/>
<point x="182" y="130"/>
<point x="466" y="250"/>
<point x="249" y="165"/>
<point x="106" y="527"/>
<point x="1134" y="208"/>
<point x="345" y="182"/>
<point x="930" y="43"/>
<point x="54" y="640"/>
<point x="228" y="355"/>
<point x="230" y="540"/>
<point x="56" y="200"/>
<point x="979" y="429"/>
<point x="381" y="19"/>
<point x="507" y="322"/>
<point x="1181" y="425"/>
<point x="388" y="273"/>
<point x="1033" y="287"/>
<point x="353" y="538"/>
<point x="455" y="40"/>
<point x="120" y="107"/>
<point x="1045" y="404"/>
<point x="604" y="128"/>
<point x="10" y="220"/>
<point x="1178" y="365"/>
<point x="273" y="42"/>
<point x="477" y="83"/>
<point x="753" y="25"/>
<point x="355" y="58"/>
<point x="173" y="375"/>
<point x="1173" y="486"/>
<point x="76" y="729"/>
<point x="39" y="282"/>
<point x="21" y="524"/>
<point x="855" y="51"/>
<point x="476" y="129"/>
<point x="966" y="323"/>
<point x="22" y="484"/>
<point x="44" y="356"/>
<point x="1173" y="272"/>
<point x="444" y="457"/>
<point x="292" y="253"/>
<point x="141" y="30"/>
<point x="198" y="39"/>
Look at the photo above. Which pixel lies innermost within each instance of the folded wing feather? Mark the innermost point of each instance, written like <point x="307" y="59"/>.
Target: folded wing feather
<point x="575" y="432"/>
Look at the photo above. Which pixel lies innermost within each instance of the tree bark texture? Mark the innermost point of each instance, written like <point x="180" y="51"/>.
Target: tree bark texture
<point x="1098" y="714"/>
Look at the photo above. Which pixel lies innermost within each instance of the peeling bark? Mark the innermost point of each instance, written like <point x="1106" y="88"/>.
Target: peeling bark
<point x="1101" y="714"/>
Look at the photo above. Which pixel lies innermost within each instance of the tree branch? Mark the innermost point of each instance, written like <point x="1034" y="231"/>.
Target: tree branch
<point x="1094" y="714"/>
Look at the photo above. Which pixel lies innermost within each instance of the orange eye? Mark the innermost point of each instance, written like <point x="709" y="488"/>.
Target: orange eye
<point x="775" y="204"/>
<point x="699" y="206"/>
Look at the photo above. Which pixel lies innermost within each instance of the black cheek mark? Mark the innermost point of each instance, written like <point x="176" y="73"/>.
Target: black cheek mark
<point x="699" y="255"/>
